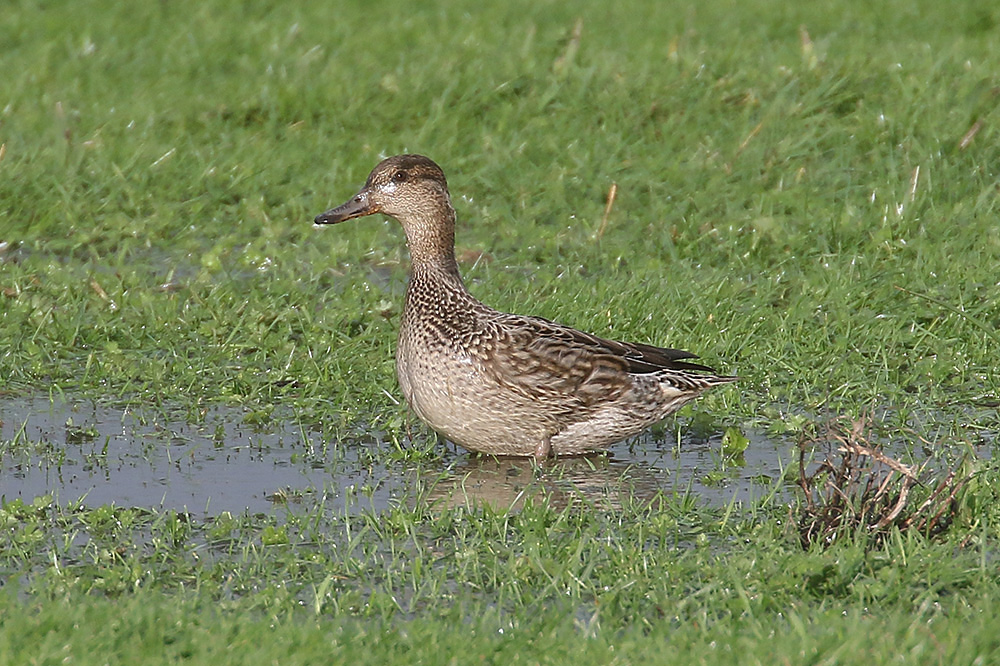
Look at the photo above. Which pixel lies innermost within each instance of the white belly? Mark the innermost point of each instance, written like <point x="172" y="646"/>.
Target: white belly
<point x="452" y="395"/>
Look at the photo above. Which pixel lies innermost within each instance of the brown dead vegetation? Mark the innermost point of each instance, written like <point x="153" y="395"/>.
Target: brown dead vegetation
<point x="857" y="486"/>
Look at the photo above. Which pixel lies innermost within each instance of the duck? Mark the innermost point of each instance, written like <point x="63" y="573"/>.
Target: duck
<point x="506" y="384"/>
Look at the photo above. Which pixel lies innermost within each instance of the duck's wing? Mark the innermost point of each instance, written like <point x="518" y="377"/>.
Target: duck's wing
<point x="545" y="360"/>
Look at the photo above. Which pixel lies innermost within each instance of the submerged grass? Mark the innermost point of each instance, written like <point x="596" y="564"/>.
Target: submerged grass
<point x="805" y="195"/>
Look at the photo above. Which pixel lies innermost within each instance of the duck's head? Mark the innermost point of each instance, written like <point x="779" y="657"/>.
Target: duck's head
<point x="406" y="187"/>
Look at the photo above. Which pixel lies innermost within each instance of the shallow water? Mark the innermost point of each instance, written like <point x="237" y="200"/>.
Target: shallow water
<point x="104" y="454"/>
<point x="632" y="472"/>
<point x="130" y="458"/>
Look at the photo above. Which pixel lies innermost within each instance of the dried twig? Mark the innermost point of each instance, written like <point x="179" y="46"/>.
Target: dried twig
<point x="971" y="134"/>
<point x="867" y="489"/>
<point x="612" y="193"/>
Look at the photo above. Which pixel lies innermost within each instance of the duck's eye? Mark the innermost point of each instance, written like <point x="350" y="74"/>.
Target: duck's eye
<point x="400" y="176"/>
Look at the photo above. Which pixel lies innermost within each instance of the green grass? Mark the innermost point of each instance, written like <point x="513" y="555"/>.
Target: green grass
<point x="188" y="633"/>
<point x="803" y="199"/>
<point x="703" y="586"/>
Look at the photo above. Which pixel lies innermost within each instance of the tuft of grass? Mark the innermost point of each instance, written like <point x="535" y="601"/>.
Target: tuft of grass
<point x="869" y="493"/>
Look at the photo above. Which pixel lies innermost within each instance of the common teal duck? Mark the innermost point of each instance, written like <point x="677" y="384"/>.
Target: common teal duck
<point x="507" y="384"/>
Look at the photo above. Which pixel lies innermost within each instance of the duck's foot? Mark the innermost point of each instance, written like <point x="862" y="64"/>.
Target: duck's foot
<point x="543" y="450"/>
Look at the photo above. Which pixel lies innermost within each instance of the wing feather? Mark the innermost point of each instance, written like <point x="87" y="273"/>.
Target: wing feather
<point x="538" y="357"/>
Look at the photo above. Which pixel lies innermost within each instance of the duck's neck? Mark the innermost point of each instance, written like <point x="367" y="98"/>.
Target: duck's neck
<point x="430" y="237"/>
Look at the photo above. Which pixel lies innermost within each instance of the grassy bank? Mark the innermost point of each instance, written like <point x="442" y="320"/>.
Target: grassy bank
<point x="673" y="581"/>
<point x="806" y="196"/>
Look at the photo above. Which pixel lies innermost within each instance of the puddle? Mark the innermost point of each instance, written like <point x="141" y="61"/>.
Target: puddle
<point x="147" y="458"/>
<point x="136" y="458"/>
<point x="632" y="472"/>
